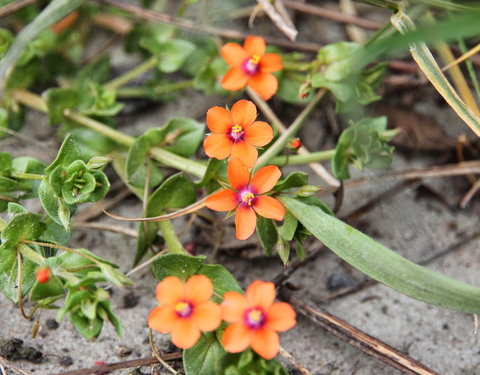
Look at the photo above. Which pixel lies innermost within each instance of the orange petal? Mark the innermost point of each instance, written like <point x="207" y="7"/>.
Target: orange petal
<point x="254" y="45"/>
<point x="269" y="207"/>
<point x="162" y="319"/>
<point x="265" y="179"/>
<point x="235" y="79"/>
<point x="219" y="120"/>
<point x="265" y="343"/>
<point x="236" y="338"/>
<point x="233" y="54"/>
<point x="169" y="290"/>
<point x="280" y="317"/>
<point x="207" y="316"/>
<point x="238" y="174"/>
<point x="270" y="62"/>
<point x="245" y="222"/>
<point x="245" y="152"/>
<point x="258" y="134"/>
<point x="225" y="200"/>
<point x="244" y="113"/>
<point x="198" y="289"/>
<point x="261" y="293"/>
<point x="218" y="146"/>
<point x="233" y="307"/>
<point x="264" y="84"/>
<point x="185" y="334"/>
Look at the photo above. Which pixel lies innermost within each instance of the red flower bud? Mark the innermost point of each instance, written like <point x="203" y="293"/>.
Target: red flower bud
<point x="294" y="143"/>
<point x="43" y="275"/>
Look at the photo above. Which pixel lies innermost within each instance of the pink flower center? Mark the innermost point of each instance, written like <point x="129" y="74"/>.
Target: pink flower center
<point x="247" y="197"/>
<point x="236" y="133"/>
<point x="254" y="318"/>
<point x="183" y="309"/>
<point x="250" y="65"/>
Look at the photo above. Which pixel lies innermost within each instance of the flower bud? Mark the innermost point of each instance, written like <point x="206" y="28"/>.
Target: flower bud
<point x="43" y="275"/>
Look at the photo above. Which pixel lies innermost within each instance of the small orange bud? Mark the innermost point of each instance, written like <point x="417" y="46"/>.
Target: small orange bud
<point x="65" y="22"/>
<point x="43" y="275"/>
<point x="294" y="143"/>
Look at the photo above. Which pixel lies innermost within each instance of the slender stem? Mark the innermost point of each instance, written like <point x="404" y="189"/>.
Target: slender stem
<point x="139" y="92"/>
<point x="171" y="239"/>
<point x="303" y="159"/>
<point x="281" y="141"/>
<point x="132" y="74"/>
<point x="64" y="248"/>
<point x="157" y="354"/>
<point x="19" y="283"/>
<point x="27" y="176"/>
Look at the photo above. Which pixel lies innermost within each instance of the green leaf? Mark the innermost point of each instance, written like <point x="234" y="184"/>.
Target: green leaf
<point x="52" y="288"/>
<point x="384" y="265"/>
<point x="9" y="273"/>
<point x="201" y="359"/>
<point x="287" y="230"/>
<point x="214" y="168"/>
<point x="53" y="205"/>
<point x="283" y="250"/>
<point x="173" y="54"/>
<point x="23" y="226"/>
<point x="68" y="153"/>
<point x="248" y="363"/>
<point x="267" y="233"/>
<point x="294" y="179"/>
<point x="181" y="266"/>
<point x="110" y="316"/>
<point x="5" y="163"/>
<point x="184" y="136"/>
<point x="87" y="328"/>
<point x="222" y="280"/>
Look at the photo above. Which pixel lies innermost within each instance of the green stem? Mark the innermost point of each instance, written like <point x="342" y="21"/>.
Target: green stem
<point x="27" y="176"/>
<point x="141" y="92"/>
<point x="382" y="4"/>
<point x="171" y="239"/>
<point x="132" y="74"/>
<point x="281" y="141"/>
<point x="303" y="159"/>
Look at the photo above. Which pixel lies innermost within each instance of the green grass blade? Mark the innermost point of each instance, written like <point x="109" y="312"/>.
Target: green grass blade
<point x="430" y="68"/>
<point x="54" y="12"/>
<point x="384" y="265"/>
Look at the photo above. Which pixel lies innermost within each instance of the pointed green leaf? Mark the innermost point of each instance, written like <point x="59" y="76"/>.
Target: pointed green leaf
<point x="181" y="266"/>
<point x="267" y="233"/>
<point x="23" y="226"/>
<point x="202" y="358"/>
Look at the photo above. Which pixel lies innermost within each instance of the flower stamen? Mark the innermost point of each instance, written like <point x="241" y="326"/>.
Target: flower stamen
<point x="254" y="318"/>
<point x="247" y="198"/>
<point x="251" y="64"/>
<point x="237" y="132"/>
<point x="183" y="309"/>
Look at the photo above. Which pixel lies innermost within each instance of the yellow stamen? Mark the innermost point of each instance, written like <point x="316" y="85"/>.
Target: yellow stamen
<point x="255" y="316"/>
<point x="254" y="59"/>
<point x="247" y="197"/>
<point x="181" y="307"/>
<point x="237" y="129"/>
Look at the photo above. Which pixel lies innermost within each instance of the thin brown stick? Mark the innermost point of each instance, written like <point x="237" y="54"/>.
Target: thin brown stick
<point x="359" y="339"/>
<point x="94" y="211"/>
<point x="13" y="7"/>
<point x="331" y="14"/>
<point x="290" y="358"/>
<point x="12" y="367"/>
<point x="122" y="365"/>
<point x="186" y="24"/>
<point x="281" y="20"/>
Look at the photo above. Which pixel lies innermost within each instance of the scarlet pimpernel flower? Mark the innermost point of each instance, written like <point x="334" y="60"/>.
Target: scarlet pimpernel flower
<point x="250" y="65"/>
<point x="185" y="309"/>
<point x="247" y="197"/>
<point x="255" y="320"/>
<point x="236" y="133"/>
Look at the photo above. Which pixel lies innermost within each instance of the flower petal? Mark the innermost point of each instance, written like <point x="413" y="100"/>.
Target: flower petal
<point x="258" y="134"/>
<point x="261" y="293"/>
<point x="207" y="316"/>
<point x="265" y="343"/>
<point x="269" y="207"/>
<point x="169" y="290"/>
<point x="185" y="334"/>
<point x="254" y="45"/>
<point x="245" y="222"/>
<point x="235" y="79"/>
<point x="225" y="200"/>
<point x="233" y="54"/>
<point x="270" y="62"/>
<point x="245" y="152"/>
<point x="265" y="179"/>
<point x="218" y="146"/>
<point x="280" y="317"/>
<point x="198" y="289"/>
<point x="233" y="307"/>
<point x="219" y="120"/>
<point x="236" y="338"/>
<point x="238" y="174"/>
<point x="244" y="113"/>
<point x="162" y="319"/>
<point x="264" y="84"/>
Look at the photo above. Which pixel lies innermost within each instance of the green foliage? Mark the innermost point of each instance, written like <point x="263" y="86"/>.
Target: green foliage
<point x="294" y="179"/>
<point x="267" y="233"/>
<point x="202" y="358"/>
<point x="9" y="273"/>
<point x="248" y="363"/>
<point x="364" y="145"/>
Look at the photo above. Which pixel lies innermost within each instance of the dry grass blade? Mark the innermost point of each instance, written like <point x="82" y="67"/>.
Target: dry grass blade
<point x="13" y="7"/>
<point x="462" y="58"/>
<point x="279" y="17"/>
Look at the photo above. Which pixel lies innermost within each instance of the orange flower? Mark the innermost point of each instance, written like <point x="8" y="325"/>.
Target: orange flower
<point x="255" y="319"/>
<point x="185" y="309"/>
<point x="250" y="65"/>
<point x="42" y="275"/>
<point x="245" y="197"/>
<point x="236" y="133"/>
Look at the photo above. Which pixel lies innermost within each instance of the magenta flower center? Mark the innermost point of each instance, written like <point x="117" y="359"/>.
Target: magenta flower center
<point x="183" y="309"/>
<point x="247" y="197"/>
<point x="251" y="65"/>
<point x="254" y="318"/>
<point x="236" y="133"/>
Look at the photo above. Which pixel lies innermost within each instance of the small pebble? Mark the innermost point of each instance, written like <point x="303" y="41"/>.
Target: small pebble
<point x="339" y="281"/>
<point x="130" y="300"/>
<point x="123" y="351"/>
<point x="66" y="361"/>
<point x="51" y="324"/>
